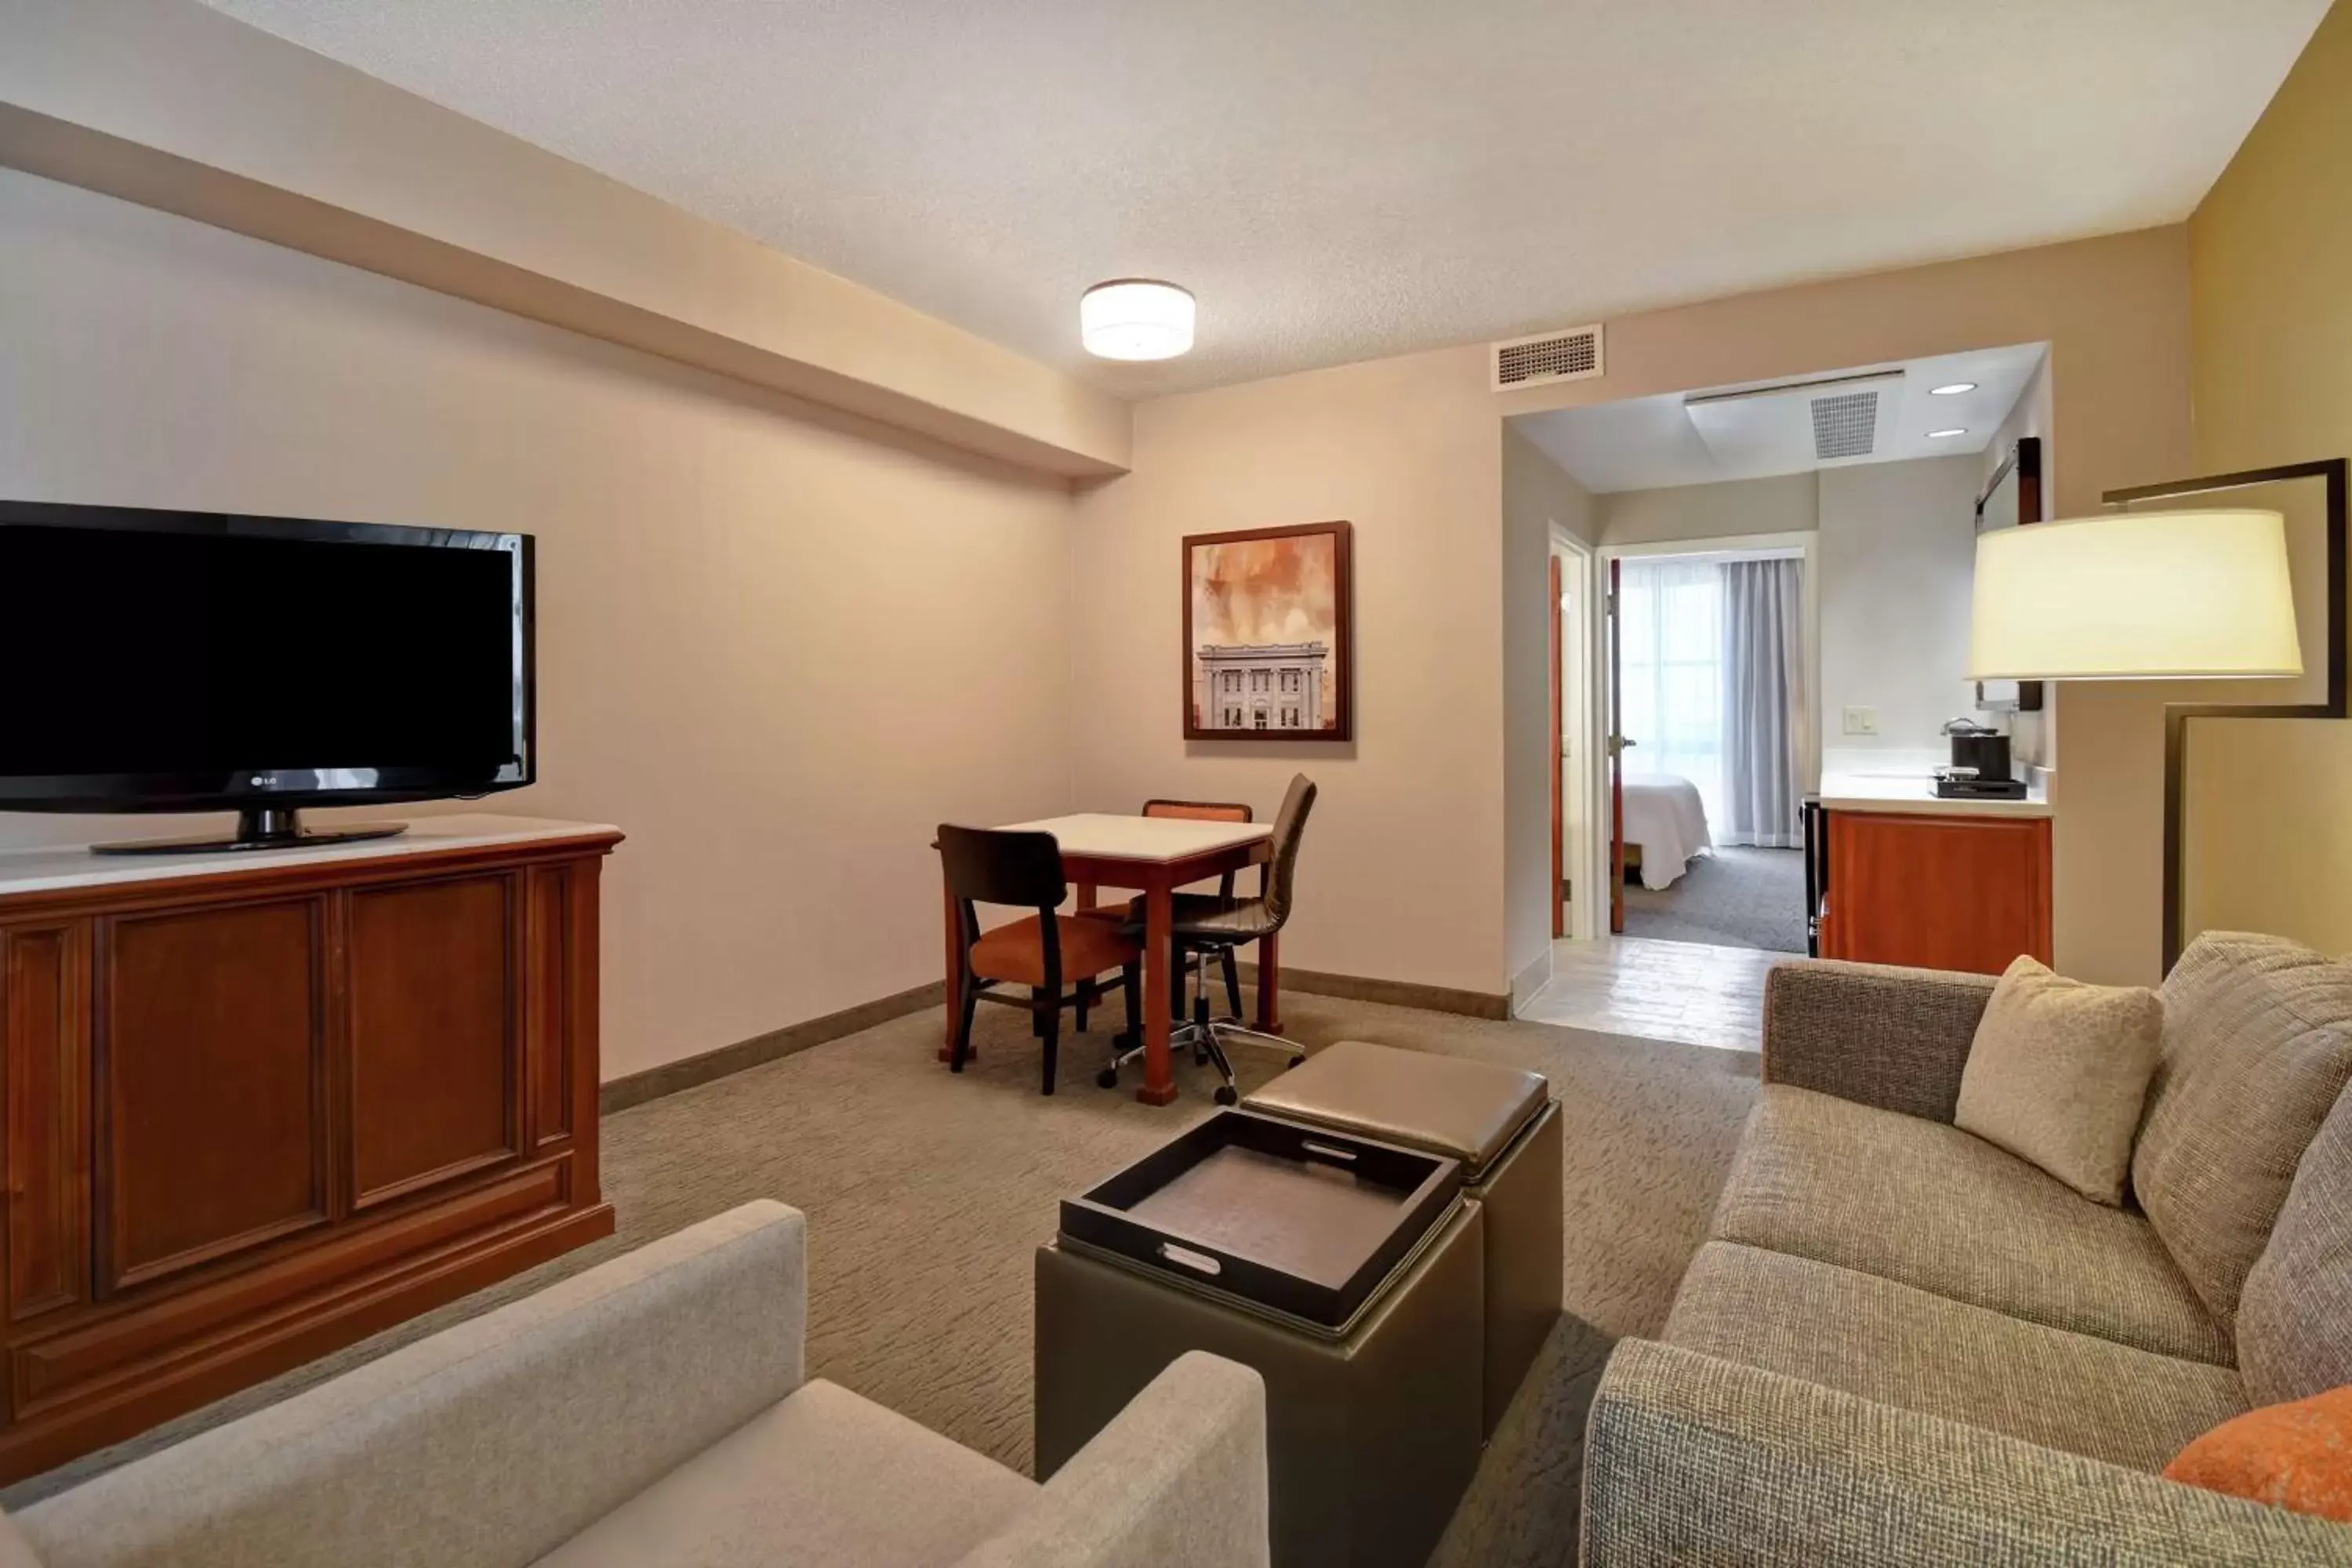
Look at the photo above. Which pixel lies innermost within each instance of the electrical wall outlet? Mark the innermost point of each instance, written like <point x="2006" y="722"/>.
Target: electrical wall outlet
<point x="1862" y="720"/>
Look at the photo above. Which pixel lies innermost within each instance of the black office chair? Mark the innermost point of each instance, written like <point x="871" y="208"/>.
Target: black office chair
<point x="984" y="866"/>
<point x="1208" y="926"/>
<point x="1133" y="910"/>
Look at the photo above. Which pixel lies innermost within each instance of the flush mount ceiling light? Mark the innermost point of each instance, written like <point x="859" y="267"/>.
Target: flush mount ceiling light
<point x="1953" y="389"/>
<point x="1947" y="433"/>
<point x="1136" y="319"/>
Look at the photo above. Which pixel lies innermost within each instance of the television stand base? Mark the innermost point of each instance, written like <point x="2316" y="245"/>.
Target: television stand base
<point x="257" y="827"/>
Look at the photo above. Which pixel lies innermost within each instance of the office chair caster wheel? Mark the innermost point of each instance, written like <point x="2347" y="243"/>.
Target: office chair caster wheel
<point x="1226" y="1095"/>
<point x="1200" y="1056"/>
<point x="1108" y="1078"/>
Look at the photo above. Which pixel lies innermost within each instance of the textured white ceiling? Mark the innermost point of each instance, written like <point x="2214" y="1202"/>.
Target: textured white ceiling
<point x="1652" y="443"/>
<point x="1342" y="179"/>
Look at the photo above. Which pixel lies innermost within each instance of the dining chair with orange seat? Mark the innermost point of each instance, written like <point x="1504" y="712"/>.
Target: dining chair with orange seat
<point x="1024" y="871"/>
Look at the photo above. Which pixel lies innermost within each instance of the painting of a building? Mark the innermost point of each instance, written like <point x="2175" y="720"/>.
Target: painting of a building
<point x="1267" y="634"/>
<point x="1269" y="685"/>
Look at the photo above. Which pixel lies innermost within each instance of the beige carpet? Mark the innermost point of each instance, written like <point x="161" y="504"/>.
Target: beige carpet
<point x="927" y="1194"/>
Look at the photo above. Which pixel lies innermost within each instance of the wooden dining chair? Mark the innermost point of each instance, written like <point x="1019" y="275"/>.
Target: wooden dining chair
<point x="1024" y="871"/>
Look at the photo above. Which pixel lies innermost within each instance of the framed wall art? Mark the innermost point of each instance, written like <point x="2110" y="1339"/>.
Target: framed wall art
<point x="1269" y="635"/>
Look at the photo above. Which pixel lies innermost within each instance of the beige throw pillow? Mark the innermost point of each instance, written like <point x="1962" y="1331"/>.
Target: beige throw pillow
<point x="2257" y="1046"/>
<point x="2294" y="1316"/>
<point x="2058" y="1073"/>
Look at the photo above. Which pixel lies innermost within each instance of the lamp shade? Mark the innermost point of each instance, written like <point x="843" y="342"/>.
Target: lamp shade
<point x="1136" y="319"/>
<point x="2135" y="597"/>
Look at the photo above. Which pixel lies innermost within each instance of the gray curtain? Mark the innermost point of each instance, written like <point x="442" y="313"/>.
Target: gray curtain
<point x="1763" y="668"/>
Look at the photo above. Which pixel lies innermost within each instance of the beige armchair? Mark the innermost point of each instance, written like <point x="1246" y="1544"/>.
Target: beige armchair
<point x="655" y="1410"/>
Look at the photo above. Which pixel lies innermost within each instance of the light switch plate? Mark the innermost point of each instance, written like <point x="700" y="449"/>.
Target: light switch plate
<point x="1862" y="720"/>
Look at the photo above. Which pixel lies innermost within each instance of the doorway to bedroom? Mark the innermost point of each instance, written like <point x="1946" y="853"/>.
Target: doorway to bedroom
<point x="1866" y="485"/>
<point x="1709" y="725"/>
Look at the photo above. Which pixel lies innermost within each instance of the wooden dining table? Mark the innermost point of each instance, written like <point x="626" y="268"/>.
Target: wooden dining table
<point x="1153" y="856"/>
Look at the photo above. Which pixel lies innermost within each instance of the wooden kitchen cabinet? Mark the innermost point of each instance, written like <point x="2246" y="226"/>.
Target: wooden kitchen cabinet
<point x="1965" y="892"/>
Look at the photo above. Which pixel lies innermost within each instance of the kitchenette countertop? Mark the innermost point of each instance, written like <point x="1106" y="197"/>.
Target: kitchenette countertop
<point x="1910" y="793"/>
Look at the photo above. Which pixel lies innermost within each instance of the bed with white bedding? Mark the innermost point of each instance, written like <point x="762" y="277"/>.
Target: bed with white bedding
<point x="1664" y="815"/>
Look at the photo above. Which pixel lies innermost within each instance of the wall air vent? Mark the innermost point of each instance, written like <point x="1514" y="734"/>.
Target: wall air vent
<point x="1845" y="424"/>
<point x="1547" y="357"/>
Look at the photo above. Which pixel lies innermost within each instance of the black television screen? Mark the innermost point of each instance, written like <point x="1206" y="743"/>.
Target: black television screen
<point x="164" y="661"/>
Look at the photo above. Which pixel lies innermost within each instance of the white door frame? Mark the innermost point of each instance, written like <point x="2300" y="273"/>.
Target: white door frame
<point x="1806" y="544"/>
<point x="1581" y="787"/>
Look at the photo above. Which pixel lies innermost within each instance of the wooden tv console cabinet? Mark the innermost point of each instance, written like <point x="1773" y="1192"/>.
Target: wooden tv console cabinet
<point x="261" y="1105"/>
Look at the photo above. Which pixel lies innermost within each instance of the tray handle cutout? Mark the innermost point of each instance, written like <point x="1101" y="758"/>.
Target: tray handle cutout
<point x="1185" y="1258"/>
<point x="1327" y="1151"/>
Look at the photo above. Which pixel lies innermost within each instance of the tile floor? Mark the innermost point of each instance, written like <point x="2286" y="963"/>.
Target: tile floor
<point x="1658" y="990"/>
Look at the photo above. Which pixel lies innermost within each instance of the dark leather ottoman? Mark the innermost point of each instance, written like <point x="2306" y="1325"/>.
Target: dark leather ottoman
<point x="1370" y="1439"/>
<point x="1502" y="1125"/>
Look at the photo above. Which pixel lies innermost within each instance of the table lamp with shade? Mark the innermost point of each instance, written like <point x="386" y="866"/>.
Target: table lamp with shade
<point x="2160" y="595"/>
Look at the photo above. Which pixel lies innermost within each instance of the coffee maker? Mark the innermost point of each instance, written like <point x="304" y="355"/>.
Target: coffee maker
<point x="1979" y="768"/>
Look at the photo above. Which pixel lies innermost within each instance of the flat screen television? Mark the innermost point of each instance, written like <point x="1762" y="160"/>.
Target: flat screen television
<point x="199" y="661"/>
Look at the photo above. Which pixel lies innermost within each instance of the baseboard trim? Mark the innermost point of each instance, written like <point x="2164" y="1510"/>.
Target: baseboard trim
<point x="1530" y="980"/>
<point x="1392" y="993"/>
<point x="690" y="1072"/>
<point x="687" y="1072"/>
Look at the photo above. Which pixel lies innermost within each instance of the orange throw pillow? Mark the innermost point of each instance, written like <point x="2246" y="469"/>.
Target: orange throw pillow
<point x="2297" y="1456"/>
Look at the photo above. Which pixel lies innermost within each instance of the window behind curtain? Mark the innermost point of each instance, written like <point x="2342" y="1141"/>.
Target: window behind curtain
<point x="1671" y="667"/>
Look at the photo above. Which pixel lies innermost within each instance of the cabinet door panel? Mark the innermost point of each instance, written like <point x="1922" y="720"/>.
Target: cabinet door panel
<point x="433" y="1032"/>
<point x="179" y="1329"/>
<point x="212" y="1051"/>
<point x="44" y="1017"/>
<point x="1962" y="893"/>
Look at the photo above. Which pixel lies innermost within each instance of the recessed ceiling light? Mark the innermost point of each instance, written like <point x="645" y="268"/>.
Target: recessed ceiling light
<point x="1948" y="433"/>
<point x="1136" y="319"/>
<point x="1952" y="390"/>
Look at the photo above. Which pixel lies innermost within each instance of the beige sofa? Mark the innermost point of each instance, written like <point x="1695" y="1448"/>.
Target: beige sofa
<point x="1902" y="1345"/>
<point x="652" y="1411"/>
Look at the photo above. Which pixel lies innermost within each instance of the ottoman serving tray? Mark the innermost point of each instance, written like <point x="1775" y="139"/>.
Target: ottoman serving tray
<point x="1301" y="1221"/>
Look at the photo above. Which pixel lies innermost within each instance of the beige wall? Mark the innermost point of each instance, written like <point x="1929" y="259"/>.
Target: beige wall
<point x="776" y="647"/>
<point x="2270" y="802"/>
<point x="1897" y="561"/>
<point x="1406" y="876"/>
<point x="2271" y="257"/>
<point x="1782" y="503"/>
<point x="1402" y="872"/>
<point x="808" y="642"/>
<point x="2115" y="313"/>
<point x="1538" y="496"/>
